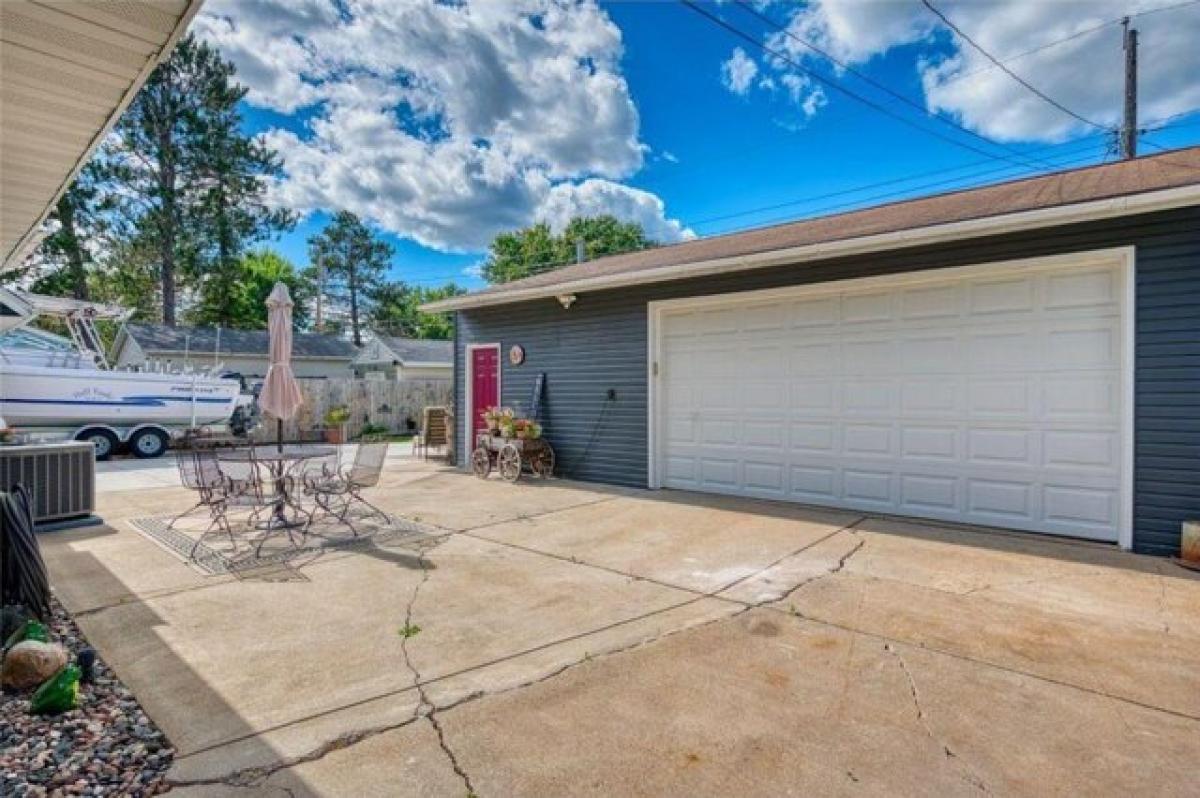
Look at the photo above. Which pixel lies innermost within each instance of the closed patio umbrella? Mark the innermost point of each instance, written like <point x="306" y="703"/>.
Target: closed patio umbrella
<point x="280" y="394"/>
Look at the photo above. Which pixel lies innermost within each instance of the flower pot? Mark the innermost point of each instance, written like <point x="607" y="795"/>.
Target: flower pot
<point x="335" y="435"/>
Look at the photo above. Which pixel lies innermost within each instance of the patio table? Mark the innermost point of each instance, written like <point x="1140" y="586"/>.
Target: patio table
<point x="280" y="462"/>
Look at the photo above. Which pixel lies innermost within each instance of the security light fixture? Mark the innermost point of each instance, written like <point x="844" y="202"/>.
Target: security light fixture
<point x="566" y="300"/>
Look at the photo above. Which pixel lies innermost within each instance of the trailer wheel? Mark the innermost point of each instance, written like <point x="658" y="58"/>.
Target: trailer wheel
<point x="148" y="443"/>
<point x="105" y="442"/>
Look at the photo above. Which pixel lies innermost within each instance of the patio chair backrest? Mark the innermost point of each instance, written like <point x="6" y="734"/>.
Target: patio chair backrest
<point x="368" y="463"/>
<point x="242" y="475"/>
<point x="434" y="426"/>
<point x="199" y="470"/>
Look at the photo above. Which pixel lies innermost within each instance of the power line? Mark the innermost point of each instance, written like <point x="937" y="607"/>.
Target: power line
<point x="884" y="183"/>
<point x="838" y="87"/>
<point x="827" y="209"/>
<point x="881" y="86"/>
<point x="1162" y="124"/>
<point x="1009" y="72"/>
<point x="1078" y="34"/>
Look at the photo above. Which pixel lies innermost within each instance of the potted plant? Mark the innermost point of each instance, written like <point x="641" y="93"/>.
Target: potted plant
<point x="491" y="418"/>
<point x="335" y="424"/>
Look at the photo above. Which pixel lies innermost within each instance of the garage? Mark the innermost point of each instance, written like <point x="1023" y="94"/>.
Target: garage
<point x="996" y="394"/>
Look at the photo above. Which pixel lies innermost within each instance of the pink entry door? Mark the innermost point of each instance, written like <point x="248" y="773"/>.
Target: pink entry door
<point x="485" y="384"/>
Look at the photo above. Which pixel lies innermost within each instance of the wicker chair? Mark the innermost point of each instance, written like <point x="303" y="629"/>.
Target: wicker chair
<point x="336" y="493"/>
<point x="200" y="471"/>
<point x="434" y="430"/>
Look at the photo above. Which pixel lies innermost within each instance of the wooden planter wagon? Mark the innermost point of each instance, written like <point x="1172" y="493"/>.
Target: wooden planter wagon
<point x="511" y="456"/>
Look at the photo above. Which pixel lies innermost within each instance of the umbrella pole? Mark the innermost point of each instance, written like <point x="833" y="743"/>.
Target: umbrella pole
<point x="279" y="434"/>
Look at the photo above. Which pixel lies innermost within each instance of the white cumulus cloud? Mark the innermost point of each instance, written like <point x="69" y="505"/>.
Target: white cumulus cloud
<point x="1085" y="73"/>
<point x="738" y="72"/>
<point x="445" y="123"/>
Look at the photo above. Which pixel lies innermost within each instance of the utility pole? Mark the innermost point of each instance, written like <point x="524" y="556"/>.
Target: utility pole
<point x="1129" y="129"/>
<point x="320" y="319"/>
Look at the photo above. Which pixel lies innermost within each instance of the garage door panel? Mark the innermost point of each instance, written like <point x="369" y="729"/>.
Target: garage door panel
<point x="929" y="353"/>
<point x="930" y="443"/>
<point x="1076" y="449"/>
<point x="816" y="312"/>
<point x="920" y="493"/>
<point x="1093" y="288"/>
<point x="764" y="433"/>
<point x="1083" y="347"/>
<point x="867" y="440"/>
<point x="866" y="397"/>
<point x="932" y="397"/>
<point x="1010" y="295"/>
<point x="990" y="400"/>
<point x="1082" y="397"/>
<point x="938" y="302"/>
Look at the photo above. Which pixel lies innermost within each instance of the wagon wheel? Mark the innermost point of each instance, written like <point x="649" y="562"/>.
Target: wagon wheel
<point x="542" y="463"/>
<point x="481" y="462"/>
<point x="510" y="463"/>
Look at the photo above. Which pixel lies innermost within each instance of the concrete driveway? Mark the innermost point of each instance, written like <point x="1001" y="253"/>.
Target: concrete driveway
<point x="576" y="640"/>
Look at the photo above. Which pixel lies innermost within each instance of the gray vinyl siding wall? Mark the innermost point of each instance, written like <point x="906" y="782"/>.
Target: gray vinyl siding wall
<point x="600" y="343"/>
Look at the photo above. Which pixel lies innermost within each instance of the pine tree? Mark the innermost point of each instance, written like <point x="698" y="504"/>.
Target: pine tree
<point x="233" y="172"/>
<point x="77" y="220"/>
<point x="349" y="262"/>
<point x="190" y="180"/>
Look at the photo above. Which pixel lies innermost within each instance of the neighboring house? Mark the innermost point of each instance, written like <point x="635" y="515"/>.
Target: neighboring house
<point x="241" y="351"/>
<point x="971" y="357"/>
<point x="405" y="359"/>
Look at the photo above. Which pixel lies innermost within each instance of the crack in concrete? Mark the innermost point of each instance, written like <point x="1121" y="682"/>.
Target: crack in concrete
<point x="425" y="706"/>
<point x="795" y="612"/>
<point x="429" y="710"/>
<point x="255" y="775"/>
<point x="841" y="564"/>
<point x="947" y="752"/>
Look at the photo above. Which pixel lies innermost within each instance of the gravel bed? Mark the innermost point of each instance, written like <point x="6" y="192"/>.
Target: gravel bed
<point x="106" y="746"/>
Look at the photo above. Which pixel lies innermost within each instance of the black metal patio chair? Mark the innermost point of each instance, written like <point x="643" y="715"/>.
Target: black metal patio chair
<point x="200" y="471"/>
<point x="337" y="492"/>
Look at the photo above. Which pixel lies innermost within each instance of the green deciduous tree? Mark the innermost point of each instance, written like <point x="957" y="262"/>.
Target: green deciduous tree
<point x="395" y="311"/>
<point x="535" y="249"/>
<point x="240" y="302"/>
<point x="349" y="262"/>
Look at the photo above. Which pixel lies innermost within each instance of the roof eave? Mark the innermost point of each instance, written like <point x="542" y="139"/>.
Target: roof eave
<point x="29" y="241"/>
<point x="1091" y="210"/>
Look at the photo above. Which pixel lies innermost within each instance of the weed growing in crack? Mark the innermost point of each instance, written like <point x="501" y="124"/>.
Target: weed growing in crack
<point x="409" y="630"/>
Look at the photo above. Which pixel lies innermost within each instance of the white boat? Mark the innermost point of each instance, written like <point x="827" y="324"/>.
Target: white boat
<point x="74" y="390"/>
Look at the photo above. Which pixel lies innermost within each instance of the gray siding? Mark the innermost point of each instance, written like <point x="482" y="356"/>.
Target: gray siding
<point x="600" y="343"/>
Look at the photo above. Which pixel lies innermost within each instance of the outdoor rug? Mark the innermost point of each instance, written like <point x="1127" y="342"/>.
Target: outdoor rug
<point x="216" y="554"/>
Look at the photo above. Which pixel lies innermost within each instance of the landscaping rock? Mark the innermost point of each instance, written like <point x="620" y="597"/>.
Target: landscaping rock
<point x="30" y="662"/>
<point x="106" y="746"/>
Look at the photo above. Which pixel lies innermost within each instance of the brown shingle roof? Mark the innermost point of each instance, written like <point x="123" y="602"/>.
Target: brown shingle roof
<point x="1107" y="181"/>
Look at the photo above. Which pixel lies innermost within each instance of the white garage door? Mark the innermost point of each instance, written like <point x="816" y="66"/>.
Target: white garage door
<point x="987" y="396"/>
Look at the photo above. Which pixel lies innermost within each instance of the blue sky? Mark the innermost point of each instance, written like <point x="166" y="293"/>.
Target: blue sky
<point x="673" y="121"/>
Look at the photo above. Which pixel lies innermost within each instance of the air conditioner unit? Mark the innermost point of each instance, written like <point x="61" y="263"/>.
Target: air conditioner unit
<point x="61" y="477"/>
